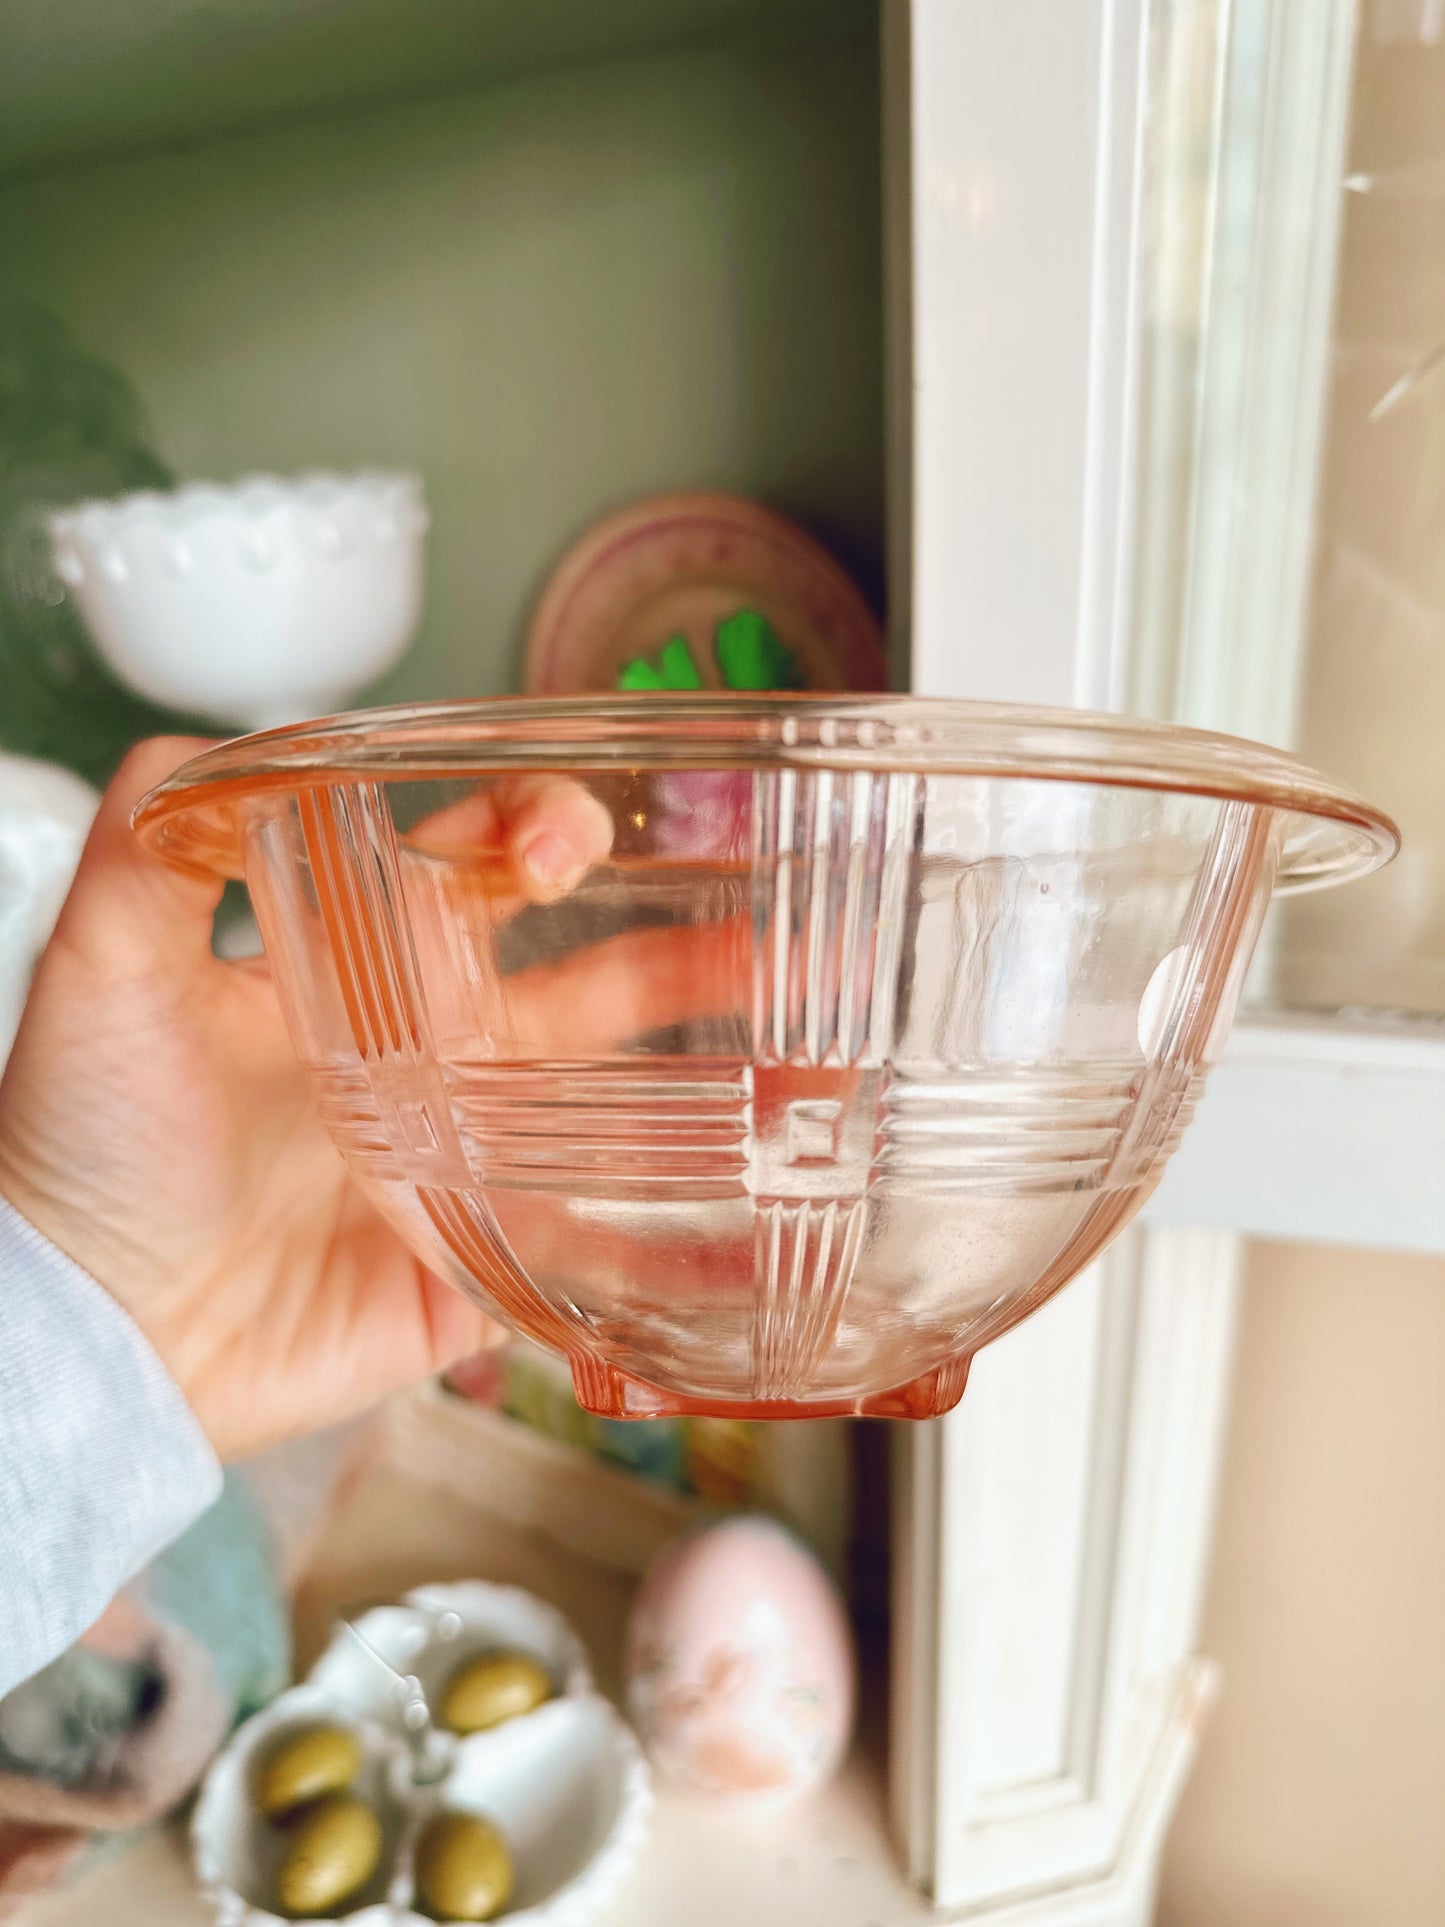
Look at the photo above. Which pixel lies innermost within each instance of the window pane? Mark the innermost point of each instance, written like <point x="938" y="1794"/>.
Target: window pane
<point x="1373" y="699"/>
<point x="1290" y="560"/>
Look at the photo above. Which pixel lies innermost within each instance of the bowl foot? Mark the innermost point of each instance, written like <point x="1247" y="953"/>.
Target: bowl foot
<point x="606" y="1392"/>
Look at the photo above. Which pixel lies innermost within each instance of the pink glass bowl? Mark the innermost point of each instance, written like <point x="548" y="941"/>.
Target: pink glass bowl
<point x="880" y="1020"/>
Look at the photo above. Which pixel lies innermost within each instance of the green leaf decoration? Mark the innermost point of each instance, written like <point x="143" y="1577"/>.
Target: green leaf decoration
<point x="751" y="655"/>
<point x="672" y="667"/>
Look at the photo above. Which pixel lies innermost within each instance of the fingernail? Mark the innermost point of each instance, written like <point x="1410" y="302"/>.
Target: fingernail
<point x="551" y="861"/>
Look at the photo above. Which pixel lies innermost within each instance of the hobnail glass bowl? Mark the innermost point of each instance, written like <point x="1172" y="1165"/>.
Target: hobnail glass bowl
<point x="880" y="1020"/>
<point x="256" y="601"/>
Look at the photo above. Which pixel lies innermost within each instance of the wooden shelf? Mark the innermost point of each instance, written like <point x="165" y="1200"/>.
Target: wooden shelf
<point x="536" y="1483"/>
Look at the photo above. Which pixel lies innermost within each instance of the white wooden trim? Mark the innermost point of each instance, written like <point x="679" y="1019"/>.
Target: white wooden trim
<point x="974" y="1499"/>
<point x="1013" y="172"/>
<point x="1013" y="161"/>
<point x="1067" y="1606"/>
<point x="1166" y="1473"/>
<point x="1326" y="1130"/>
<point x="1233" y="658"/>
<point x="1053" y="1533"/>
<point x="1238" y="523"/>
<point x="1123" y="1896"/>
<point x="1273" y="256"/>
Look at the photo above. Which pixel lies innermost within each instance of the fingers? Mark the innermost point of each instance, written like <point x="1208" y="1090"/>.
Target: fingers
<point x="125" y="906"/>
<point x="602" y="997"/>
<point x="555" y="832"/>
<point x="456" y="1328"/>
<point x="543" y="832"/>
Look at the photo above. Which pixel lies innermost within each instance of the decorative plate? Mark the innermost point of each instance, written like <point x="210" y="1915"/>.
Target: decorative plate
<point x="701" y="592"/>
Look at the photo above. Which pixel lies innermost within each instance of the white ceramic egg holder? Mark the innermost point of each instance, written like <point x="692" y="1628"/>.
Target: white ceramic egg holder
<point x="566" y="1785"/>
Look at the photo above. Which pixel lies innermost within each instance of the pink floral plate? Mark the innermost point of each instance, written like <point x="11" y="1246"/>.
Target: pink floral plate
<point x="701" y="592"/>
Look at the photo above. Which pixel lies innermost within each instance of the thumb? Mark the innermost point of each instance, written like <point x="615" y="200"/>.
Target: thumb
<point x="125" y="906"/>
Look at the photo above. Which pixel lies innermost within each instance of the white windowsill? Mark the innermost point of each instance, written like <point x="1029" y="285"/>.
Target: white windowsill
<point x="1323" y="1129"/>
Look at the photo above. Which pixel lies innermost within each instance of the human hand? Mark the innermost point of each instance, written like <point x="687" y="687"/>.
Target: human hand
<point x="156" y="1127"/>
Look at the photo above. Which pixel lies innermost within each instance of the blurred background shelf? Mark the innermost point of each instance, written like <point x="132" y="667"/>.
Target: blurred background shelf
<point x="827" y="1863"/>
<point x="83" y="79"/>
<point x="550" y="293"/>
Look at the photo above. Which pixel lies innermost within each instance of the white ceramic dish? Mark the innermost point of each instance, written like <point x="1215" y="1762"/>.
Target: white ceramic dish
<point x="237" y="1853"/>
<point x="259" y="602"/>
<point x="566" y="1786"/>
<point x="570" y="1792"/>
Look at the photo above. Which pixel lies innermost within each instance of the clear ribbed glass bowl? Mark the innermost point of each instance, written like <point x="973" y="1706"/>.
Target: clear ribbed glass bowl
<point x="880" y="1020"/>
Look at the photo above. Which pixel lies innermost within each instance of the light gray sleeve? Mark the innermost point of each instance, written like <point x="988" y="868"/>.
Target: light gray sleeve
<point x="102" y="1462"/>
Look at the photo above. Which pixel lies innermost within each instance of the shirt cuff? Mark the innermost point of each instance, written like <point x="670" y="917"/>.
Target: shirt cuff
<point x="102" y="1462"/>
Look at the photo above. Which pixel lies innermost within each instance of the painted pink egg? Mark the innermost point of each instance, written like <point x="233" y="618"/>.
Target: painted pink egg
<point x="740" y="1663"/>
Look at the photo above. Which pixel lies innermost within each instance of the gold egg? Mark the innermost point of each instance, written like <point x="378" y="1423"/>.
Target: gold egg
<point x="304" y="1764"/>
<point x="334" y="1849"/>
<point x="463" y="1868"/>
<point x="491" y="1688"/>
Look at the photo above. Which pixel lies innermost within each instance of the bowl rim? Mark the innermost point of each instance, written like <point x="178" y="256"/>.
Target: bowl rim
<point x="1331" y="835"/>
<point x="248" y="497"/>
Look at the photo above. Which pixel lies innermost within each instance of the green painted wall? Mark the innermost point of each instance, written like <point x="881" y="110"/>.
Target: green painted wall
<point x="549" y="295"/>
<point x="82" y="79"/>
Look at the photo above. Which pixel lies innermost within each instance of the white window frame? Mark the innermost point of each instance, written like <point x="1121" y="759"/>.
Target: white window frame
<point x="1052" y="1535"/>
